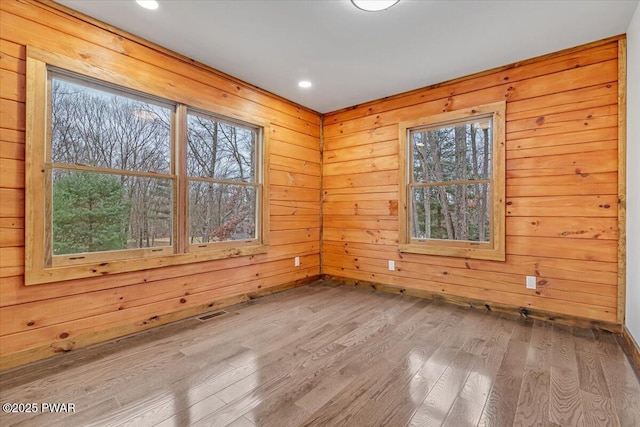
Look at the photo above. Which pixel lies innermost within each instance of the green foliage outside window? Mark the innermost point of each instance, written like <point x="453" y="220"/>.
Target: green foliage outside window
<point x="89" y="213"/>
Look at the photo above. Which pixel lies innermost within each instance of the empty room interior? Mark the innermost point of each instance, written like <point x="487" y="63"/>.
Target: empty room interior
<point x="290" y="213"/>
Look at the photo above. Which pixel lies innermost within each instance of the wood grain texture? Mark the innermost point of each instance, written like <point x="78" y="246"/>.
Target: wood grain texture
<point x="565" y="403"/>
<point x="325" y="354"/>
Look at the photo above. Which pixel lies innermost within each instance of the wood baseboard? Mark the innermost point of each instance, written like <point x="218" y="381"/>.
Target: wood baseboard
<point x="483" y="305"/>
<point x="46" y="351"/>
<point x="630" y="347"/>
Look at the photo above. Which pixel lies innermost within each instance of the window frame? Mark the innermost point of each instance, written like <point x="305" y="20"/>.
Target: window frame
<point x="88" y="257"/>
<point x="256" y="183"/>
<point x="39" y="264"/>
<point x="495" y="248"/>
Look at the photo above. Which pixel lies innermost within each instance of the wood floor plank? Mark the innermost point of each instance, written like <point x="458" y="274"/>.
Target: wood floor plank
<point x="318" y="367"/>
<point x="533" y="404"/>
<point x="341" y="408"/>
<point x="241" y="422"/>
<point x="468" y="407"/>
<point x="522" y="330"/>
<point x="333" y="381"/>
<point x="237" y="395"/>
<point x="443" y="348"/>
<point x="189" y="413"/>
<point x="590" y="371"/>
<point x="287" y="416"/>
<point x="598" y="411"/>
<point x="565" y="401"/>
<point x="326" y="354"/>
<point x="353" y="398"/>
<point x="436" y="407"/>
<point x="563" y="349"/>
<point x="247" y="394"/>
<point x="500" y="409"/>
<point x="89" y="414"/>
<point x="539" y="354"/>
<point x="404" y="385"/>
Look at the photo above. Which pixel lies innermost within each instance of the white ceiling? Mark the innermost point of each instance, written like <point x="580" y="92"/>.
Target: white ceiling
<point x="352" y="56"/>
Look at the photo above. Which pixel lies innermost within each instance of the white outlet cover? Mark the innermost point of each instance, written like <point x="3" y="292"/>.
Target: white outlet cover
<point x="392" y="265"/>
<point x="296" y="261"/>
<point x="531" y="282"/>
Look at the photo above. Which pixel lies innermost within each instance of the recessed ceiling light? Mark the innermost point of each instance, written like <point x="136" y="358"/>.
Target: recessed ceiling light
<point x="148" y="4"/>
<point x="374" y="5"/>
<point x="305" y="84"/>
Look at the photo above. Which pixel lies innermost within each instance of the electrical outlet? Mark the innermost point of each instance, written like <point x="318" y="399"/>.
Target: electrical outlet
<point x="392" y="265"/>
<point x="531" y="282"/>
<point x="296" y="261"/>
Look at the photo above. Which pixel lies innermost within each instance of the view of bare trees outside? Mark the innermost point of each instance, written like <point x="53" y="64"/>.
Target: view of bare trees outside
<point x="223" y="187"/>
<point x="450" y="181"/>
<point x="110" y="178"/>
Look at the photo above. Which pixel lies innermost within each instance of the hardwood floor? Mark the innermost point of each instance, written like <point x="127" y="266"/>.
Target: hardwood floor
<point x="334" y="355"/>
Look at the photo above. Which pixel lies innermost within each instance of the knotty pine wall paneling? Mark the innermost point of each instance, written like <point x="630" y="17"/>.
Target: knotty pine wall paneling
<point x="561" y="187"/>
<point x="41" y="320"/>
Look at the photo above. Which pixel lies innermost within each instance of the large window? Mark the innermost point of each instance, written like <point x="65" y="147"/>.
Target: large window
<point x="122" y="180"/>
<point x="453" y="179"/>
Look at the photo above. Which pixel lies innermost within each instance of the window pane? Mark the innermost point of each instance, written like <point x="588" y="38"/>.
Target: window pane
<point x="96" y="127"/>
<point x="221" y="212"/>
<point x="220" y="150"/>
<point x="453" y="212"/>
<point x="452" y="153"/>
<point x="95" y="212"/>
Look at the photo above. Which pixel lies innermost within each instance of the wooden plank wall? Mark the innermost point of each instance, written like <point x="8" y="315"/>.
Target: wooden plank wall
<point x="561" y="185"/>
<point x="40" y="320"/>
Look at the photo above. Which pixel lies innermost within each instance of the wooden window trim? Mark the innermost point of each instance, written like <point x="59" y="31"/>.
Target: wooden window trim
<point x="495" y="248"/>
<point x="104" y="263"/>
<point x="257" y="183"/>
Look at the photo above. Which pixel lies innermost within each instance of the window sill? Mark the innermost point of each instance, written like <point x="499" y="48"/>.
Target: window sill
<point x="466" y="251"/>
<point x="104" y="268"/>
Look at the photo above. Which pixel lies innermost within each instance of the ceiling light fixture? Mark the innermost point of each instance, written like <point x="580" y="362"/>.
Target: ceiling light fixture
<point x="148" y="4"/>
<point x="305" y="84"/>
<point x="374" y="5"/>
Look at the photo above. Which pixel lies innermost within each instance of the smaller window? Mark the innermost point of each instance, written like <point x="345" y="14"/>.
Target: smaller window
<point x="223" y="179"/>
<point x="453" y="183"/>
